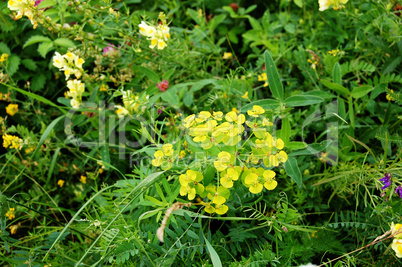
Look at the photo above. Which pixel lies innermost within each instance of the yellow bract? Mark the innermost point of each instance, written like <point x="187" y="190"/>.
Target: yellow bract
<point x="190" y="184"/>
<point x="164" y="157"/>
<point x="257" y="179"/>
<point x="256" y="111"/>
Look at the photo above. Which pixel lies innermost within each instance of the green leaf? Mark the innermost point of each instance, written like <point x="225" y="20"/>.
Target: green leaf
<point x="169" y="73"/>
<point x="292" y="169"/>
<point x="216" y="261"/>
<point x="38" y="82"/>
<point x="29" y="64"/>
<point x="36" y="39"/>
<point x="295" y="145"/>
<point x="13" y="64"/>
<point x="215" y="21"/>
<point x="298" y="3"/>
<point x="264" y="103"/>
<point x="290" y="28"/>
<point x="104" y="153"/>
<point x="4" y="49"/>
<point x="302" y="100"/>
<point x="285" y="130"/>
<point x="35" y="96"/>
<point x="312" y="149"/>
<point x="254" y="23"/>
<point x="47" y="3"/>
<point x="337" y="74"/>
<point x="274" y="81"/>
<point x="351" y="113"/>
<point x="46" y="134"/>
<point x="64" y="42"/>
<point x="337" y="88"/>
<point x="170" y="96"/>
<point x="361" y="91"/>
<point x="266" y="20"/>
<point x="200" y="84"/>
<point x="188" y="99"/>
<point x="44" y="48"/>
<point x="149" y="73"/>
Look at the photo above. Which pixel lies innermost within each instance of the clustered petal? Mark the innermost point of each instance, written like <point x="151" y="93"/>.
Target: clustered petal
<point x="158" y="35"/>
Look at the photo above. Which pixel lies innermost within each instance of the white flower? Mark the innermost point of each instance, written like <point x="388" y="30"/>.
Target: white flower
<point x="324" y="4"/>
<point x="22" y="6"/>
<point x="146" y="30"/>
<point x="397" y="247"/>
<point x="74" y="103"/>
<point x="76" y="87"/>
<point x="58" y="61"/>
<point x="121" y="111"/>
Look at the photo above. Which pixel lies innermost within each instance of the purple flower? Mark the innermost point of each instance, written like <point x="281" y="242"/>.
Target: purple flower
<point x="37" y="2"/>
<point x="398" y="191"/>
<point x="109" y="50"/>
<point x="386" y="180"/>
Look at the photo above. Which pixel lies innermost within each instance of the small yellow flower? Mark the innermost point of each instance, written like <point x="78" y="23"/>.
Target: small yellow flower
<point x="397" y="247"/>
<point x="10" y="213"/>
<point x="12" y="141"/>
<point x="11" y="109"/>
<point x="14" y="228"/>
<point x="60" y="183"/>
<point x="83" y="179"/>
<point x="256" y="111"/>
<point x="224" y="159"/>
<point x="182" y="154"/>
<point x="103" y="88"/>
<point x="227" y="55"/>
<point x="245" y="96"/>
<point x="190" y="184"/>
<point x="100" y="171"/>
<point x="263" y="78"/>
<point x="3" y="57"/>
<point x="389" y="95"/>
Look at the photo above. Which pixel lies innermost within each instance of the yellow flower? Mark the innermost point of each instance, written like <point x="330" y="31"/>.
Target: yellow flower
<point x="224" y="159"/>
<point x="11" y="109"/>
<point x="396" y="228"/>
<point x="83" y="179"/>
<point x="182" y="154"/>
<point x="256" y="111"/>
<point x="218" y="196"/>
<point x="190" y="184"/>
<point x="397" y="247"/>
<point x="158" y="35"/>
<point x="227" y="55"/>
<point x="257" y="179"/>
<point x="263" y="78"/>
<point x="103" y="88"/>
<point x="69" y="63"/>
<point x="10" y="214"/>
<point x="389" y="95"/>
<point x="164" y="157"/>
<point x="12" y="141"/>
<point x="245" y="96"/>
<point x="14" y="228"/>
<point x="24" y="7"/>
<point x="60" y="183"/>
<point x="3" y="57"/>
<point x="228" y="177"/>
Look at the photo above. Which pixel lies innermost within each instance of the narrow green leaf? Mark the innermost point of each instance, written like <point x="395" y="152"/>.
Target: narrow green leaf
<point x="46" y="134"/>
<point x="264" y="103"/>
<point x="52" y="165"/>
<point x="302" y="100"/>
<point x="216" y="261"/>
<point x="274" y="80"/>
<point x="35" y="96"/>
<point x="298" y="3"/>
<point x="337" y="74"/>
<point x="336" y="87"/>
<point x="312" y="149"/>
<point x="295" y="145"/>
<point x="361" y="91"/>
<point x="285" y="130"/>
<point x="200" y="84"/>
<point x="292" y="169"/>
<point x="351" y="112"/>
<point x="149" y="73"/>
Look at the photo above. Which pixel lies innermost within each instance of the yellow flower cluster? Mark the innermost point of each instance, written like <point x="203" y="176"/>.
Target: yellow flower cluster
<point x="11" y="109"/>
<point x="396" y="230"/>
<point x="213" y="129"/>
<point x="10" y="213"/>
<point x="334" y="52"/>
<point x="71" y="64"/>
<point x="164" y="157"/>
<point x="336" y="4"/>
<point x="132" y="103"/>
<point x="3" y="57"/>
<point x="26" y="8"/>
<point x="12" y="141"/>
<point x="158" y="35"/>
